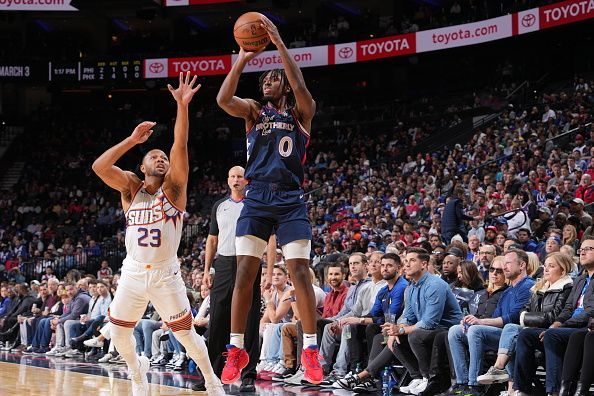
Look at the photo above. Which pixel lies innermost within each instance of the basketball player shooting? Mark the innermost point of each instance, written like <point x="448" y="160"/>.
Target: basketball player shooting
<point x="277" y="137"/>
<point x="154" y="210"/>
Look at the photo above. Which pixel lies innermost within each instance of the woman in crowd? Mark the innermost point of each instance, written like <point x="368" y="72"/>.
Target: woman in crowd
<point x="546" y="302"/>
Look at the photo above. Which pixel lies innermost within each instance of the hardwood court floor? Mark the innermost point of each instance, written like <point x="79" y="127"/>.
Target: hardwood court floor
<point x="28" y="375"/>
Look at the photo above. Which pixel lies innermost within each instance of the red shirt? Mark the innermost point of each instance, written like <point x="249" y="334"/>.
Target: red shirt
<point x="585" y="193"/>
<point x="334" y="301"/>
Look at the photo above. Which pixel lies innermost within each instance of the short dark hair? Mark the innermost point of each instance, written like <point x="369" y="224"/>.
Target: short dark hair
<point x="520" y="254"/>
<point x="392" y="256"/>
<point x="282" y="268"/>
<point x="420" y="252"/>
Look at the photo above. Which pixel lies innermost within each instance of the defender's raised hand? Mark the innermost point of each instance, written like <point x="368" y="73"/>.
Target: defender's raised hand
<point x="186" y="90"/>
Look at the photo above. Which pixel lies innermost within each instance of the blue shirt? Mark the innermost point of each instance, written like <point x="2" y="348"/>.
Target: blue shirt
<point x="389" y="301"/>
<point x="580" y="304"/>
<point x="513" y="300"/>
<point x="276" y="148"/>
<point x="431" y="304"/>
<point x="351" y="298"/>
<point x="4" y="304"/>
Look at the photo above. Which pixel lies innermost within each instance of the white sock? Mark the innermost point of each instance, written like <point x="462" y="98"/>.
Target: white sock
<point x="309" y="339"/>
<point x="237" y="340"/>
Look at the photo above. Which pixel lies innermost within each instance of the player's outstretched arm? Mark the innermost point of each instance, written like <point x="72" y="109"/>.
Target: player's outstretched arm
<point x="113" y="176"/>
<point x="306" y="106"/>
<point x="178" y="157"/>
<point x="226" y="99"/>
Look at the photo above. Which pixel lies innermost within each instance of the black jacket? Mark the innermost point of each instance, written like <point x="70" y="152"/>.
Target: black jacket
<point x="22" y="307"/>
<point x="452" y="220"/>
<point x="580" y="320"/>
<point x="544" y="307"/>
<point x="483" y="304"/>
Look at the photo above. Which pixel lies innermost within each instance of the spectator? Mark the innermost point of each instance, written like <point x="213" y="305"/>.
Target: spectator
<point x="481" y="334"/>
<point x="553" y="341"/>
<point x="546" y="302"/>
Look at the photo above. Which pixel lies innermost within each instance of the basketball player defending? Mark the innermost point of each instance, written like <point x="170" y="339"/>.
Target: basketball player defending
<point x="154" y="211"/>
<point x="277" y="137"/>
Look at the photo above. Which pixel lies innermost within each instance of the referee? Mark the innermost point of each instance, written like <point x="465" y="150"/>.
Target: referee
<point x="221" y="241"/>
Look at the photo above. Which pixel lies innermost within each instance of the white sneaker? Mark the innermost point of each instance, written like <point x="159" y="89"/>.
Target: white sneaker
<point x="63" y="351"/>
<point x="411" y="385"/>
<point x="140" y="384"/>
<point x="279" y="368"/>
<point x="106" y="358"/>
<point x="296" y="378"/>
<point x="260" y="366"/>
<point x="53" y="351"/>
<point x="156" y="358"/>
<point x="73" y="353"/>
<point x="419" y="388"/>
<point x="94" y="343"/>
<point x="269" y="366"/>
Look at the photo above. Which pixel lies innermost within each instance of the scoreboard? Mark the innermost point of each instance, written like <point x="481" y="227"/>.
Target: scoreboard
<point x="100" y="71"/>
<point x="20" y="71"/>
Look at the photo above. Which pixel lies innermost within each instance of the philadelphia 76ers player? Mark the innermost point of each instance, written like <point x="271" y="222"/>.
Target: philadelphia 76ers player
<point x="154" y="209"/>
<point x="277" y="131"/>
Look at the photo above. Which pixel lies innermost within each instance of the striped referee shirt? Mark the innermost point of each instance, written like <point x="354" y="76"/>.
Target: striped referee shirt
<point x="224" y="216"/>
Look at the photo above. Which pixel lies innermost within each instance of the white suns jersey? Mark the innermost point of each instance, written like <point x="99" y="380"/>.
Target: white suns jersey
<point x="153" y="227"/>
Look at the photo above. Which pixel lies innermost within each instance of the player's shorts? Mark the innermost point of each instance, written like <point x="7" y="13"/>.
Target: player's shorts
<point x="274" y="208"/>
<point x="159" y="283"/>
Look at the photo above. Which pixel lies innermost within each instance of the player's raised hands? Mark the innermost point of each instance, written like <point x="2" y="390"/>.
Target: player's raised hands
<point x="142" y="132"/>
<point x="272" y="31"/>
<point x="249" y="55"/>
<point x="186" y="90"/>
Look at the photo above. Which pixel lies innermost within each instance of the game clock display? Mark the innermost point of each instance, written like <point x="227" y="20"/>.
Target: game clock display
<point x="100" y="71"/>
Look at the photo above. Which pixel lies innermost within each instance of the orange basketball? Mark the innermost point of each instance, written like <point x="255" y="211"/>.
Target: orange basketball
<point x="249" y="34"/>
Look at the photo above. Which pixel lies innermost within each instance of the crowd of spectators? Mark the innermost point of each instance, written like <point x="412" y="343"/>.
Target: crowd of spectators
<point x="519" y="187"/>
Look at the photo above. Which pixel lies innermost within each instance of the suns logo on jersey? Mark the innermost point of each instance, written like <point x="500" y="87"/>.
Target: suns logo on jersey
<point x="171" y="212"/>
<point x="146" y="216"/>
<point x="136" y="217"/>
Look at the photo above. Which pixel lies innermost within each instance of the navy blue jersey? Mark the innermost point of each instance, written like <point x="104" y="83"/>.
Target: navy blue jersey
<point x="276" y="148"/>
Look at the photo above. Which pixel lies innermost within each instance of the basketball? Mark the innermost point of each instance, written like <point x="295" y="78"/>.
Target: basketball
<point x="249" y="34"/>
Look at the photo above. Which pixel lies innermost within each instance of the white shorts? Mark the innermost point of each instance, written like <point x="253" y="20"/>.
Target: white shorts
<point x="160" y="284"/>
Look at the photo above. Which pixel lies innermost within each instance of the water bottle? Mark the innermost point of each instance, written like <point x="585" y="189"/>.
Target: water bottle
<point x="347" y="332"/>
<point x="387" y="381"/>
<point x="358" y="368"/>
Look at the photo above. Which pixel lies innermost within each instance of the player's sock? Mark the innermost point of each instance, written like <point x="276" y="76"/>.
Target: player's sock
<point x="237" y="340"/>
<point x="125" y="344"/>
<point x="309" y="339"/>
<point x="196" y="349"/>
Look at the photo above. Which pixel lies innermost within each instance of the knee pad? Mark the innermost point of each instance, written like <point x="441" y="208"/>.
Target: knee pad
<point x="249" y="245"/>
<point x="300" y="249"/>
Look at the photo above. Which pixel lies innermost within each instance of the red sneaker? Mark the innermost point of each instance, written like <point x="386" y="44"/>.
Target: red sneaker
<point x="237" y="360"/>
<point x="311" y="362"/>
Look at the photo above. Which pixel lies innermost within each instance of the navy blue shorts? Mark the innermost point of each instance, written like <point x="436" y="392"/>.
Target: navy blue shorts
<point x="268" y="209"/>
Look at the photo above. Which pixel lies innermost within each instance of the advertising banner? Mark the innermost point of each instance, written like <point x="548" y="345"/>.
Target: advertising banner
<point x="528" y="21"/>
<point x="566" y="12"/>
<point x="386" y="47"/>
<point x="466" y="34"/>
<point x="202" y="65"/>
<point x="304" y="57"/>
<point x="179" y="3"/>
<point x="36" y="5"/>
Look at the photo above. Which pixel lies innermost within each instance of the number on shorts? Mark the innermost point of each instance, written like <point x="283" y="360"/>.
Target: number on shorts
<point x="155" y="235"/>
<point x="285" y="146"/>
